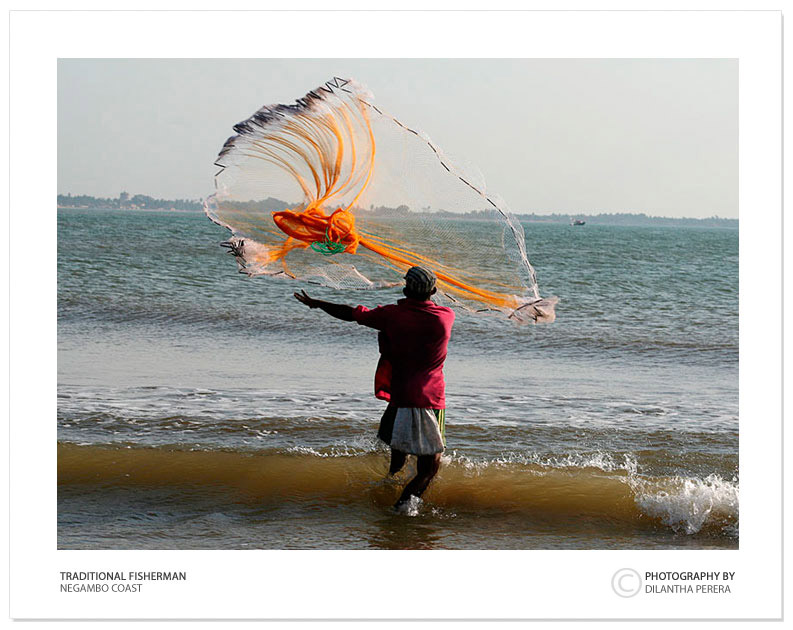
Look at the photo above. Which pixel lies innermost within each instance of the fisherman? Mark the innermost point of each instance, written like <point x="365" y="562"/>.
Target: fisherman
<point x="414" y="334"/>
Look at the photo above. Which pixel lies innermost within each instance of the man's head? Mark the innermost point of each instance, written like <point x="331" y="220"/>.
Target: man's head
<point x="419" y="283"/>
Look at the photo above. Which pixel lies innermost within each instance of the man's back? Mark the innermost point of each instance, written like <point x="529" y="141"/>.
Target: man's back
<point x="416" y="337"/>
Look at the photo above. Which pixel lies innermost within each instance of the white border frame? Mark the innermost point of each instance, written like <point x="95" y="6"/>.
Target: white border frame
<point x="344" y="585"/>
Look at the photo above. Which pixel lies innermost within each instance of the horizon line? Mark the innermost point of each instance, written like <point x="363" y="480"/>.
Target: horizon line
<point x="518" y="213"/>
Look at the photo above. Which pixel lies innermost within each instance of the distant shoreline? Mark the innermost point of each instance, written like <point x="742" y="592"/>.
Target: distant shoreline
<point x="188" y="211"/>
<point x="144" y="203"/>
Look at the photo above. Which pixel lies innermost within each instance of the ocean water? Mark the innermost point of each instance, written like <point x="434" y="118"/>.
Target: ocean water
<point x="201" y="409"/>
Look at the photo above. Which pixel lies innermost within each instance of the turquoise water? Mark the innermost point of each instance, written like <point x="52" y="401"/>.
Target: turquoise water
<point x="164" y="349"/>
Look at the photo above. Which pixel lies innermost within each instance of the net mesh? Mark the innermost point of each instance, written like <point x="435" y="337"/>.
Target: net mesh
<point x="335" y="191"/>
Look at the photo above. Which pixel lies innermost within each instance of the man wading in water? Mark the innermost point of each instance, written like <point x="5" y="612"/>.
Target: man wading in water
<point x="414" y="334"/>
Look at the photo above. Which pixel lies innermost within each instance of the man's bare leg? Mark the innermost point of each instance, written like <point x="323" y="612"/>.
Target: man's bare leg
<point x="427" y="467"/>
<point x="398" y="459"/>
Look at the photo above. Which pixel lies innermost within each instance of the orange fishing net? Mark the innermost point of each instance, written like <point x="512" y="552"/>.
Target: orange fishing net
<point x="333" y="190"/>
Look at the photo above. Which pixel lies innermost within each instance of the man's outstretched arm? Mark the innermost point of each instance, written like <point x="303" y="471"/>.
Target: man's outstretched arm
<point x="339" y="311"/>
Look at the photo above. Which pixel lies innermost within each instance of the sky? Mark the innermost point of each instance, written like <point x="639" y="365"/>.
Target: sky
<point x="583" y="136"/>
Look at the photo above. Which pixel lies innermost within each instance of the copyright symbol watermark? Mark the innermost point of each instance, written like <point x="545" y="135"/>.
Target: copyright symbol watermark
<point x="626" y="582"/>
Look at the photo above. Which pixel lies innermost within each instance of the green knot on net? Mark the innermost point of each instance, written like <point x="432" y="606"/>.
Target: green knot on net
<point x="328" y="247"/>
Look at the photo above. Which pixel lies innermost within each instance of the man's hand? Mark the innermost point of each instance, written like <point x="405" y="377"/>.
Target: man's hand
<point x="339" y="311"/>
<point x="306" y="299"/>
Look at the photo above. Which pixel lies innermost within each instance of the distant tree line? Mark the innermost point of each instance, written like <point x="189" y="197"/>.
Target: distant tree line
<point x="143" y="202"/>
<point x="126" y="202"/>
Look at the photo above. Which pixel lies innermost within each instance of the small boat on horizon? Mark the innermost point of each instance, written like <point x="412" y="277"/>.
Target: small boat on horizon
<point x="577" y="222"/>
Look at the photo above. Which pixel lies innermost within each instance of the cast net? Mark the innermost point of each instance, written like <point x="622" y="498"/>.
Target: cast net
<point x="333" y="190"/>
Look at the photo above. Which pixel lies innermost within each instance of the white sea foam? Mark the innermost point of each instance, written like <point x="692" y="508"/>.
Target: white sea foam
<point x="686" y="504"/>
<point x="597" y="459"/>
<point x="354" y="448"/>
<point x="410" y="507"/>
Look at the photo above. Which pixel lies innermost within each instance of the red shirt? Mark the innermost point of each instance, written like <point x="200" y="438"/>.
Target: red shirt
<point x="416" y="335"/>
